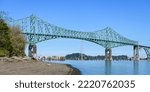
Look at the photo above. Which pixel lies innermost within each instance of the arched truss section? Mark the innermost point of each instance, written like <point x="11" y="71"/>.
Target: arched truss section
<point x="37" y="30"/>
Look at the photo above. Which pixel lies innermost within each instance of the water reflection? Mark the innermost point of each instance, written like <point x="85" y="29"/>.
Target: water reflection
<point x="108" y="67"/>
<point x="135" y="67"/>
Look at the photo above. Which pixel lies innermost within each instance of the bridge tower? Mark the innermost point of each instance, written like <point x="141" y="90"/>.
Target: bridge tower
<point x="136" y="53"/>
<point x="108" y="54"/>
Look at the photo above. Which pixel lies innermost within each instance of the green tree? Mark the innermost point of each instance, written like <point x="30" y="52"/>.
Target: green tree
<point x="18" y="41"/>
<point x="12" y="42"/>
<point x="5" y="44"/>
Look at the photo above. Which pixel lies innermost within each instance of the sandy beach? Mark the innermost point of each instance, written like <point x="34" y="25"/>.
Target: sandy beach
<point x="17" y="66"/>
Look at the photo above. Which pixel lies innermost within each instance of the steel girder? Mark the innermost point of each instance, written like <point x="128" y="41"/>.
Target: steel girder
<point x="147" y="50"/>
<point x="37" y="30"/>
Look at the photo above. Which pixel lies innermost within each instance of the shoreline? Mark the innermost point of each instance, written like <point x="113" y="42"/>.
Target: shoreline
<point x="27" y="66"/>
<point x="73" y="70"/>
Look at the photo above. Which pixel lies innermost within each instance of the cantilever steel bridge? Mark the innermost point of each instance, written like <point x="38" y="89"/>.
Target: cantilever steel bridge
<point x="37" y="30"/>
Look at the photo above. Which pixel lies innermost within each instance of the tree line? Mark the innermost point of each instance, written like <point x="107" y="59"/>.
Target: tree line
<point x="79" y="56"/>
<point x="12" y="42"/>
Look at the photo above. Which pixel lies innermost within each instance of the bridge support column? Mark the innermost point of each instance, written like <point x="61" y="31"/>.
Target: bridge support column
<point x="136" y="53"/>
<point x="32" y="50"/>
<point x="108" y="54"/>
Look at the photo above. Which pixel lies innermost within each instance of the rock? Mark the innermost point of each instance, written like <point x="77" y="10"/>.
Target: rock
<point x="27" y="58"/>
<point x="49" y="64"/>
<point x="17" y="59"/>
<point x="5" y="59"/>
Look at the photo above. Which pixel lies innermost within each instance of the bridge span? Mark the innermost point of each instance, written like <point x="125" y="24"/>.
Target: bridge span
<point x="37" y="30"/>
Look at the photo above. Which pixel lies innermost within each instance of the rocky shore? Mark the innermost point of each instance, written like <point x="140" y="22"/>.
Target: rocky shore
<point x="28" y="66"/>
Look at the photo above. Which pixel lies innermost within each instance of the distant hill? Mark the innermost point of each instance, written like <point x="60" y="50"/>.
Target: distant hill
<point x="78" y="56"/>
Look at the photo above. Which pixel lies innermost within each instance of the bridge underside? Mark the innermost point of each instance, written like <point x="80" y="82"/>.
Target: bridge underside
<point x="108" y="51"/>
<point x="32" y="39"/>
<point x="36" y="38"/>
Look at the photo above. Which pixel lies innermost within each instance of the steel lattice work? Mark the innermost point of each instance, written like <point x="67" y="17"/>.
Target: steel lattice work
<point x="38" y="30"/>
<point x="147" y="50"/>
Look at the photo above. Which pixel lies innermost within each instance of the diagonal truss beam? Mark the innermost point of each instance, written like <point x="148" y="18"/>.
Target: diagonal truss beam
<point x="37" y="30"/>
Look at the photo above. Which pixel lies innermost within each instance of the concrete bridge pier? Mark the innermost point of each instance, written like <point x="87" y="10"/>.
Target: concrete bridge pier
<point x="136" y="56"/>
<point x="32" y="50"/>
<point x="108" y="54"/>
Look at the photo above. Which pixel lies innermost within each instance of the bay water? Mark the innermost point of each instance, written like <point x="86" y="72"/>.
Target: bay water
<point x="97" y="67"/>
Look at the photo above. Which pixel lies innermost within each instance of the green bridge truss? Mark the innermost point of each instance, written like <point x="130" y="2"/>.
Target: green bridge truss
<point x="37" y="30"/>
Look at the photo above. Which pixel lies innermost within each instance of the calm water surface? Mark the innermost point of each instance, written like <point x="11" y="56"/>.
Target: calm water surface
<point x="110" y="68"/>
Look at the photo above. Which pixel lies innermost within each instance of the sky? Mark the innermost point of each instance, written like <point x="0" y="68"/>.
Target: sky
<point x="130" y="18"/>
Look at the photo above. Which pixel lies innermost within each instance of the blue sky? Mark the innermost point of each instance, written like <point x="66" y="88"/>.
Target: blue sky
<point x="130" y="18"/>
